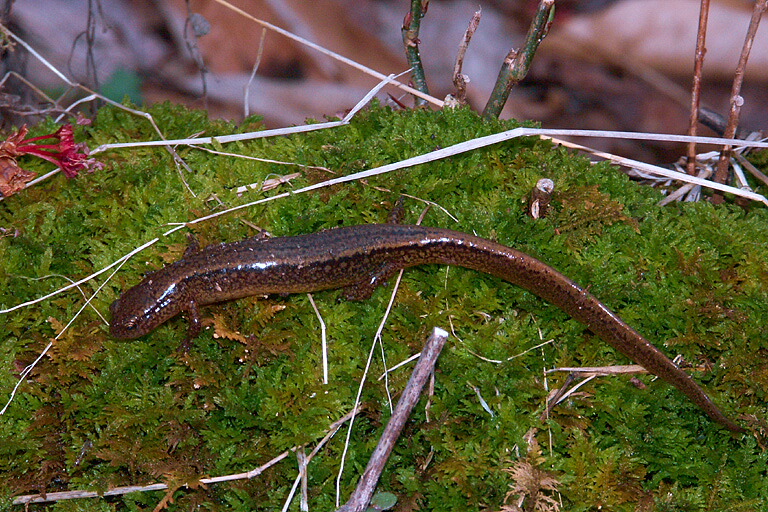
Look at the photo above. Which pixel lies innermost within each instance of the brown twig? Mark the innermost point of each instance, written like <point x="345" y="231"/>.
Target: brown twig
<point x="696" y="88"/>
<point x="737" y="101"/>
<point x="752" y="169"/>
<point x="460" y="80"/>
<point x="361" y="497"/>
<point x="557" y="396"/>
<point x="410" y="31"/>
<point x="517" y="63"/>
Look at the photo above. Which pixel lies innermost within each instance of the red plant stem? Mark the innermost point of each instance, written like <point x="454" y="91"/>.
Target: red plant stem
<point x="32" y="147"/>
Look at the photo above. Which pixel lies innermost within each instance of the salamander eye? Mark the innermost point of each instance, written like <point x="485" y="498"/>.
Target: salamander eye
<point x="130" y="323"/>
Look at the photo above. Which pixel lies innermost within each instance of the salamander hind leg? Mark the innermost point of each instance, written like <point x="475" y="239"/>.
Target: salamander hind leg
<point x="363" y="289"/>
<point x="398" y="211"/>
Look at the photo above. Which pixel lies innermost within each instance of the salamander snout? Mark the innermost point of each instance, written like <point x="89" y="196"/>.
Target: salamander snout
<point x="145" y="306"/>
<point x="123" y="325"/>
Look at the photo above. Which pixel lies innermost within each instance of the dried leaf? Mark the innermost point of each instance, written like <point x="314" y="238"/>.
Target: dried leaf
<point x="13" y="178"/>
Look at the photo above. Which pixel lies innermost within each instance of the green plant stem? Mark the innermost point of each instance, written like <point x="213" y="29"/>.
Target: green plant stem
<point x="410" y="31"/>
<point x="517" y="63"/>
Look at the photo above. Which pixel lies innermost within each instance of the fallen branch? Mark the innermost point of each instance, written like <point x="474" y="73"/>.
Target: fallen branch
<point x="361" y="497"/>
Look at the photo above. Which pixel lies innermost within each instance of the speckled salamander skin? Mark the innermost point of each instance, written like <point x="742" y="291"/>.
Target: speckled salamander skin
<point x="358" y="259"/>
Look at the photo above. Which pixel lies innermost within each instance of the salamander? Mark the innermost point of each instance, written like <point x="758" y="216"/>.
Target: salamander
<point x="358" y="259"/>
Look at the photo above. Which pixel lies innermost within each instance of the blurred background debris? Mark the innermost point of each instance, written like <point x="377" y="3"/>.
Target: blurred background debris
<point x="612" y="65"/>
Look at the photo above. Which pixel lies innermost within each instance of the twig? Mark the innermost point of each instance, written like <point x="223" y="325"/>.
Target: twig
<point x="717" y="123"/>
<point x="410" y="31"/>
<point x="361" y="497"/>
<point x="556" y="397"/>
<point x="589" y="371"/>
<point x="751" y="168"/>
<point x="696" y="88"/>
<point x="28" y="110"/>
<point x="301" y="479"/>
<point x="398" y="365"/>
<point x="10" y="35"/>
<point x="704" y="173"/>
<point x="517" y="63"/>
<point x="740" y="178"/>
<point x="89" y="34"/>
<point x="66" y="278"/>
<point x="460" y="80"/>
<point x="483" y="403"/>
<point x="685" y="177"/>
<point x="737" y="101"/>
<point x="224" y="139"/>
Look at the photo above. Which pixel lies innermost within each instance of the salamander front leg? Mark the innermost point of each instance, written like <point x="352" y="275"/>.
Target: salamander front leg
<point x="195" y="326"/>
<point x="364" y="289"/>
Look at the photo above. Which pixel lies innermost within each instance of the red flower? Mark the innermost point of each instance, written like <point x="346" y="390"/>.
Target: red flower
<point x="66" y="154"/>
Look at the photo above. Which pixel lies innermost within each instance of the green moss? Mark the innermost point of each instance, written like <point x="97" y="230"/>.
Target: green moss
<point x="693" y="278"/>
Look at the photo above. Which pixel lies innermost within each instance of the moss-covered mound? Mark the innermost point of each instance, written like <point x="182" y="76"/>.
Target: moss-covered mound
<point x="97" y="413"/>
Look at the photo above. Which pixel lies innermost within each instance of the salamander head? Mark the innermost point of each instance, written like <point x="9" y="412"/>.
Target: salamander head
<point x="145" y="306"/>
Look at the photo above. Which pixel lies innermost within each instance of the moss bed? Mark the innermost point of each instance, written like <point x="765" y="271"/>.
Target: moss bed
<point x="97" y="413"/>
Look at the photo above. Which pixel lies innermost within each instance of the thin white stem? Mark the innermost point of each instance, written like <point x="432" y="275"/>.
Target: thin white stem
<point x="323" y="338"/>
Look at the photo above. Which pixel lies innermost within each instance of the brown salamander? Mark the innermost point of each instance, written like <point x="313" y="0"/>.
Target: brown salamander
<point x="358" y="259"/>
